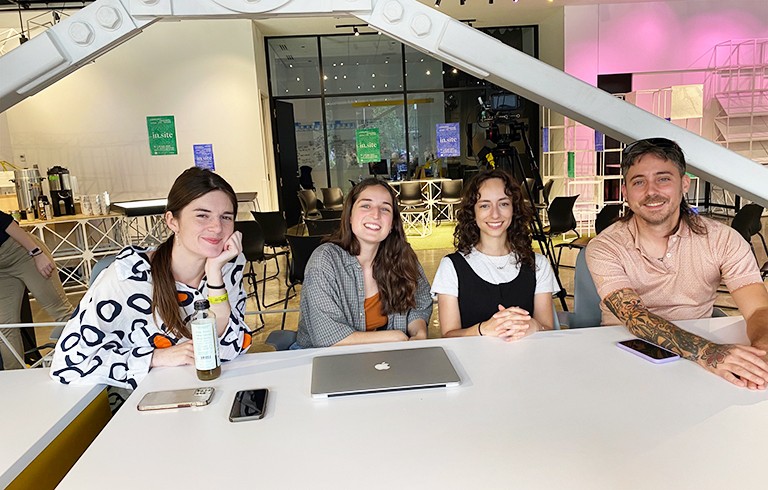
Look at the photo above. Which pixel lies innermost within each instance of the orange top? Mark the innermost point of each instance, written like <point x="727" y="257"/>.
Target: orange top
<point x="373" y="317"/>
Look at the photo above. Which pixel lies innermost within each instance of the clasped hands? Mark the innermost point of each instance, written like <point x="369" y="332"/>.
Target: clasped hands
<point x="509" y="324"/>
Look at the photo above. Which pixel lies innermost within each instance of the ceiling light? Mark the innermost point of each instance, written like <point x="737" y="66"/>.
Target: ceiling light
<point x="437" y="3"/>
<point x="356" y="31"/>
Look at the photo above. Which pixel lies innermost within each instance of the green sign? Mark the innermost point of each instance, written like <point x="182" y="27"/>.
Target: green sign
<point x="367" y="145"/>
<point x="162" y="135"/>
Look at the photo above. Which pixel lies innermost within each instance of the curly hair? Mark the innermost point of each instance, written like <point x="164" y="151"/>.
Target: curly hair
<point x="467" y="233"/>
<point x="395" y="267"/>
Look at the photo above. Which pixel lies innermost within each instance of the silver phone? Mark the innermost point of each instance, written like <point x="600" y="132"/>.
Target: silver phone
<point x="161" y="400"/>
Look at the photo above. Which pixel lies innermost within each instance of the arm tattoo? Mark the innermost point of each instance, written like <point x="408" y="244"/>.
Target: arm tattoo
<point x="629" y="308"/>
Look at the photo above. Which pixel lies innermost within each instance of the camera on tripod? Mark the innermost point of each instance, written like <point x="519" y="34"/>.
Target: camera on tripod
<point x="502" y="113"/>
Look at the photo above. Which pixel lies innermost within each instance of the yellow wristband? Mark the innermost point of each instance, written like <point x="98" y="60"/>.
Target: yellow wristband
<point x="214" y="300"/>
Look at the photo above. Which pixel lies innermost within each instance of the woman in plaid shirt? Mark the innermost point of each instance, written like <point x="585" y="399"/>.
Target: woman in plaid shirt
<point x="366" y="284"/>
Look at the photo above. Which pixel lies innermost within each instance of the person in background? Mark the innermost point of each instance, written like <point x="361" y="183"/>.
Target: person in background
<point x="494" y="284"/>
<point x="662" y="262"/>
<point x="25" y="262"/>
<point x="366" y="284"/>
<point x="134" y="317"/>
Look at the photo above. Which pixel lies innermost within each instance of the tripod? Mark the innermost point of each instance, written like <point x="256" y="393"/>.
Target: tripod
<point x="506" y="158"/>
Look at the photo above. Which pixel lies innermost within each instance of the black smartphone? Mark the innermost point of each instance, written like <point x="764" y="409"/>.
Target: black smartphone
<point x="648" y="351"/>
<point x="248" y="405"/>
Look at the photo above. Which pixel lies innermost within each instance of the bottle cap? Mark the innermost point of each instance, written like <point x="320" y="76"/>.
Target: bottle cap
<point x="202" y="304"/>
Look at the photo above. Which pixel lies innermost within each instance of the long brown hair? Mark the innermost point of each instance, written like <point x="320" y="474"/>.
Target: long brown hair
<point x="190" y="185"/>
<point x="467" y="233"/>
<point x="395" y="267"/>
<point x="664" y="149"/>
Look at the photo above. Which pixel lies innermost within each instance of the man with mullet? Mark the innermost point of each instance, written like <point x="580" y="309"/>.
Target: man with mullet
<point x="662" y="262"/>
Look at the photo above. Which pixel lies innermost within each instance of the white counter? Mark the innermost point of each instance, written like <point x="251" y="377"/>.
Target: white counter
<point x="557" y="410"/>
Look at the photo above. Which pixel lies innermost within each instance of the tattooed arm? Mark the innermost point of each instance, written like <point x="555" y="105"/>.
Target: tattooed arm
<point x="739" y="364"/>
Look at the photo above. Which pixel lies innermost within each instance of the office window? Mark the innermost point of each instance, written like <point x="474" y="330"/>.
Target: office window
<point x="361" y="64"/>
<point x="294" y="66"/>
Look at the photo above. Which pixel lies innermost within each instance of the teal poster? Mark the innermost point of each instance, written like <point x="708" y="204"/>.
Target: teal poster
<point x="162" y="135"/>
<point x="367" y="145"/>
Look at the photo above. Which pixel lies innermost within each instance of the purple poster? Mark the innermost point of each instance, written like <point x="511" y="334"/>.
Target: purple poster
<point x="448" y="144"/>
<point x="204" y="156"/>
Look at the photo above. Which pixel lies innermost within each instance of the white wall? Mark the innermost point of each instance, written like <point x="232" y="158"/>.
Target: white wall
<point x="203" y="72"/>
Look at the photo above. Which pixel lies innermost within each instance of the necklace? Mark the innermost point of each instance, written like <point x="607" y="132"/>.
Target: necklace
<point x="494" y="260"/>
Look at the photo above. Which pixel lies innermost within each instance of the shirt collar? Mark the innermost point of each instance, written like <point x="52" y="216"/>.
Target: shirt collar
<point x="682" y="231"/>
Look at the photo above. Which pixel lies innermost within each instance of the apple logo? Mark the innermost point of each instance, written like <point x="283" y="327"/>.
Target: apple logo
<point x="382" y="366"/>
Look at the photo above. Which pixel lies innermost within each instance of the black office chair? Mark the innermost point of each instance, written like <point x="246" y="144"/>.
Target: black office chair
<point x="604" y="219"/>
<point x="305" y="178"/>
<point x="450" y="198"/>
<point x="561" y="220"/>
<point x="410" y="195"/>
<point x="301" y="250"/>
<point x="330" y="213"/>
<point x="309" y="205"/>
<point x="253" y="250"/>
<point x="333" y="198"/>
<point x="322" y="227"/>
<point x="748" y="222"/>
<point x="274" y="226"/>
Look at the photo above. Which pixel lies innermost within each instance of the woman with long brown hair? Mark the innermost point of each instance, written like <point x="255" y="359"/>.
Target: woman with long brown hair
<point x="366" y="284"/>
<point x="134" y="316"/>
<point x="494" y="284"/>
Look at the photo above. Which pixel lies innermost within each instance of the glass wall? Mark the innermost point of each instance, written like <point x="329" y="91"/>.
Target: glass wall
<point x="343" y="83"/>
<point x="345" y="115"/>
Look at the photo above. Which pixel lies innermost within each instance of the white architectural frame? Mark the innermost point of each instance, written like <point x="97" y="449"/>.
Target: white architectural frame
<point x="105" y="24"/>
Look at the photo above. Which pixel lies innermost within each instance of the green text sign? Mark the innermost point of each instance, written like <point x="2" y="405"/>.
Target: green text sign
<point x="162" y="135"/>
<point x="367" y="145"/>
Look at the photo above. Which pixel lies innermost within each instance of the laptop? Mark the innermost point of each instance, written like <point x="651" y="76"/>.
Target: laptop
<point x="382" y="371"/>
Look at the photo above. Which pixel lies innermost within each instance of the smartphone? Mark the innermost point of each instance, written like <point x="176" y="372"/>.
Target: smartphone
<point x="161" y="400"/>
<point x="648" y="351"/>
<point x="248" y="405"/>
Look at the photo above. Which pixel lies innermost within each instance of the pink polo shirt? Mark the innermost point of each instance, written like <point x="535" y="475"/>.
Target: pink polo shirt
<point x="681" y="285"/>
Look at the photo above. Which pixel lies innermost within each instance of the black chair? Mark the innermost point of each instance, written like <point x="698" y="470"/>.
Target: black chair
<point x="748" y="222"/>
<point x="330" y="213"/>
<point x="561" y="220"/>
<point x="301" y="250"/>
<point x="410" y="195"/>
<point x="322" y="227"/>
<point x="309" y="205"/>
<point x="450" y="197"/>
<point x="603" y="220"/>
<point x="333" y="198"/>
<point x="305" y="178"/>
<point x="274" y="227"/>
<point x="253" y="249"/>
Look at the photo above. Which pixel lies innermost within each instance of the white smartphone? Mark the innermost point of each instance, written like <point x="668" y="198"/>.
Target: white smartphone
<point x="249" y="405"/>
<point x="162" y="400"/>
<point x="648" y="351"/>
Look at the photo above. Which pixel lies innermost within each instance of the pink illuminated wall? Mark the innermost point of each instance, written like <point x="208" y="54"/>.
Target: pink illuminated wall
<point x="656" y="36"/>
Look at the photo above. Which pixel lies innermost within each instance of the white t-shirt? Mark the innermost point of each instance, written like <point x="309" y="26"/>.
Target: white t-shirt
<point x="493" y="270"/>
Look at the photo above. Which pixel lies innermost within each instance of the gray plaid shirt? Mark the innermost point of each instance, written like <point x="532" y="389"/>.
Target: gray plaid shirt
<point x="333" y="298"/>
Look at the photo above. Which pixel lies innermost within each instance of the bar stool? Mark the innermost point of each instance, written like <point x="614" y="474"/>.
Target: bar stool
<point x="417" y="221"/>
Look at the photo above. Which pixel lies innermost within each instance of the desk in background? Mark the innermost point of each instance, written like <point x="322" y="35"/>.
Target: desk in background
<point x="557" y="410"/>
<point x="45" y="427"/>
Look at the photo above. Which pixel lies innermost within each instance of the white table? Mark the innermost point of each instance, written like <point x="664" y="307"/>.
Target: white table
<point x="34" y="411"/>
<point x="557" y="410"/>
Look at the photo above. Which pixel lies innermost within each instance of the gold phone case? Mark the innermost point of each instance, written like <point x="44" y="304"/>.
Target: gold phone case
<point x="161" y="400"/>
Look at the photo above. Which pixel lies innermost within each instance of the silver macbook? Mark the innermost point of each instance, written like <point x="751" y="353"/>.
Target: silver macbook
<point x="375" y="372"/>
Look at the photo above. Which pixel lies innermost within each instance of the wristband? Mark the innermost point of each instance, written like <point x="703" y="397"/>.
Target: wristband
<point x="35" y="252"/>
<point x="214" y="300"/>
<point x="210" y="286"/>
<point x="479" y="329"/>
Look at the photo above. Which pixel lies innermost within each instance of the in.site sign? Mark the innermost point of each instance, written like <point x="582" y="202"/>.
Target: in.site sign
<point x="162" y="135"/>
